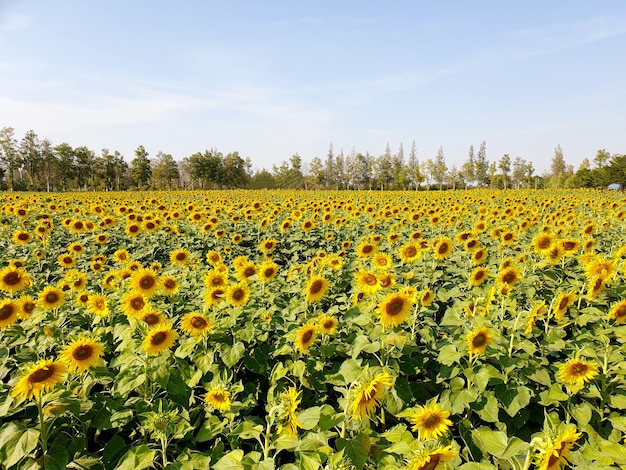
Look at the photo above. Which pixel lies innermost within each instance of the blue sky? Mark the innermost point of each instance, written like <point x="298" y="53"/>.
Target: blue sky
<point x="273" y="78"/>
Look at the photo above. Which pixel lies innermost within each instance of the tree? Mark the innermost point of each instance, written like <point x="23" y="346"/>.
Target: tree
<point x="413" y="168"/>
<point x="317" y="172"/>
<point x="140" y="169"/>
<point x="518" y="176"/>
<point x="454" y="177"/>
<point x="84" y="164"/>
<point x="491" y="173"/>
<point x="558" y="162"/>
<point x="165" y="174"/>
<point x="30" y="156"/>
<point x="505" y="167"/>
<point x="329" y="168"/>
<point x="440" y="168"/>
<point x="66" y="164"/>
<point x="468" y="170"/>
<point x="481" y="166"/>
<point x="9" y="154"/>
<point x="235" y="171"/>
<point x="49" y="163"/>
<point x="601" y="159"/>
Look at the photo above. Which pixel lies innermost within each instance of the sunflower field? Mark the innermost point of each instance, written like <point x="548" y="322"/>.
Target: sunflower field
<point x="313" y="330"/>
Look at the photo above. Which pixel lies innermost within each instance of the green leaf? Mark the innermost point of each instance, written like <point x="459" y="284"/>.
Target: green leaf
<point x="230" y="461"/>
<point x="582" y="413"/>
<point x="493" y="442"/>
<point x="329" y="418"/>
<point x="354" y="450"/>
<point x="309" y="417"/>
<point x="210" y="428"/>
<point x="17" y="443"/>
<point x="477" y="466"/>
<point x="516" y="447"/>
<point x="267" y="464"/>
<point x="136" y="458"/>
<point x="618" y="401"/>
<point x="232" y="354"/>
<point x="308" y="461"/>
<point x="513" y="399"/>
<point x="449" y="355"/>
<point x="56" y="458"/>
<point x="489" y="410"/>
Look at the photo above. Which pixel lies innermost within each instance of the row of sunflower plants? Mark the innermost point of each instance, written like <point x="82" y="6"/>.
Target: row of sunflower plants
<point x="313" y="330"/>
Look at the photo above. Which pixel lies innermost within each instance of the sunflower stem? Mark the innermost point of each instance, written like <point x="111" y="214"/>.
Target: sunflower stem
<point x="164" y="451"/>
<point x="513" y="333"/>
<point x="43" y="430"/>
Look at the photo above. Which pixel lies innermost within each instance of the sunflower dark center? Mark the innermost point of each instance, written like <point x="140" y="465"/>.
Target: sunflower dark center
<point x="6" y="312"/>
<point x="82" y="352"/>
<point x="394" y="307"/>
<point x="509" y="278"/>
<point x="198" y="322"/>
<point x="443" y="248"/>
<point x="316" y="286"/>
<point x="158" y="338"/>
<point x="434" y="461"/>
<point x="431" y="421"/>
<point x="544" y="243"/>
<point x="51" y="298"/>
<point x="41" y="375"/>
<point x="238" y="294"/>
<point x="479" y="275"/>
<point x="11" y="279"/>
<point x="621" y="311"/>
<point x="579" y="369"/>
<point x="249" y="272"/>
<point x="147" y="282"/>
<point x="181" y="257"/>
<point x="368" y="249"/>
<point x="137" y="303"/>
<point x="169" y="284"/>
<point x="306" y="336"/>
<point x="479" y="340"/>
<point x="370" y="280"/>
<point x="23" y="237"/>
<point x="151" y="319"/>
<point x="269" y="272"/>
<point x="563" y="303"/>
<point x="410" y="251"/>
<point x="28" y="307"/>
<point x="569" y="245"/>
<point x="328" y="324"/>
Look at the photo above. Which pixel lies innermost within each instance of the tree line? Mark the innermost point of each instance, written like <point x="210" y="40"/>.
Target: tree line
<point x="33" y="164"/>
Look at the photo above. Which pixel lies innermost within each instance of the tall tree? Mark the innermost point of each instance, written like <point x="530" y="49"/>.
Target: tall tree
<point x="413" y="168"/>
<point x="9" y="154"/>
<point x="468" y="170"/>
<point x="165" y="173"/>
<point x="481" y="166"/>
<point x="49" y="164"/>
<point x="558" y="162"/>
<point x="30" y="155"/>
<point x="440" y="169"/>
<point x="84" y="164"/>
<point x="66" y="164"/>
<point x="140" y="169"/>
<point x="505" y="168"/>
<point x="518" y="176"/>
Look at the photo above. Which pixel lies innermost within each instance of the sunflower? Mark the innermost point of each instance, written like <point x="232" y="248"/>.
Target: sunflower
<point x="479" y="256"/>
<point x="132" y="303"/>
<point x="159" y="338"/>
<point x="471" y="244"/>
<point x="430" y="421"/>
<point x="478" y="276"/>
<point x="151" y="317"/>
<point x="132" y="229"/>
<point x="509" y="276"/>
<point x="305" y="336"/>
<point x="290" y="400"/>
<point x="21" y="237"/>
<point x="26" y="305"/>
<point x="215" y="278"/>
<point x="569" y="245"/>
<point x="367" y="282"/>
<point x="427" y="297"/>
<point x="267" y="271"/>
<point x="180" y="256"/>
<point x="555" y="254"/>
<point x="316" y="288"/>
<point x="101" y="238"/>
<point x="507" y="238"/>
<point x="409" y="252"/>
<point x="600" y="268"/>
<point x="577" y="372"/>
<point x="368" y="395"/>
<point x="596" y="286"/>
<point x="555" y="451"/>
<point x="145" y="281"/>
<point x="121" y="256"/>
<point x="381" y="261"/>
<point x="394" y="309"/>
<point x="82" y="354"/>
<point x="618" y="312"/>
<point x="542" y="243"/>
<point x="562" y="303"/>
<point x="366" y="249"/>
<point x="196" y="325"/>
<point x="245" y="271"/>
<point x="442" y="247"/>
<point x="478" y="340"/>
<point x="9" y="313"/>
<point x="218" y="398"/>
<point x="238" y="294"/>
<point x="430" y="458"/>
<point x="39" y="378"/>
<point x="168" y="285"/>
<point x="213" y="258"/>
<point x="76" y="280"/>
<point x="267" y="245"/>
<point x="51" y="297"/>
<point x="386" y="280"/>
<point x="213" y="297"/>
<point x="534" y="315"/>
<point x="98" y="304"/>
<point x="327" y="324"/>
<point x="13" y="279"/>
